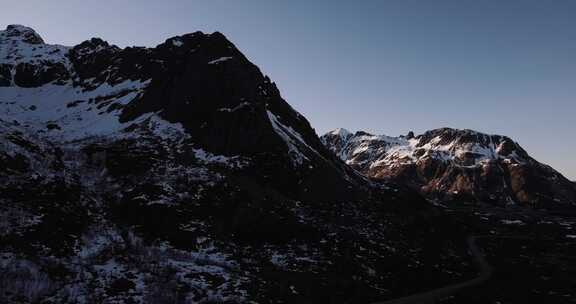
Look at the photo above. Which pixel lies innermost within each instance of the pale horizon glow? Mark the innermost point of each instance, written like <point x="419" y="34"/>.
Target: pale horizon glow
<point x="385" y="67"/>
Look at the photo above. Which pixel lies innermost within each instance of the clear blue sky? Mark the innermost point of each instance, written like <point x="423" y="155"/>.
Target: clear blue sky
<point x="505" y="67"/>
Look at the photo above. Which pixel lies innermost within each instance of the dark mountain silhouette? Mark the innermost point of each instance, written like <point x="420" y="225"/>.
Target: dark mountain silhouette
<point x="178" y="174"/>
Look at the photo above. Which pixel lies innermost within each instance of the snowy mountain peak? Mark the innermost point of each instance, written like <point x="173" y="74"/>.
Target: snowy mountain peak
<point x="22" y="33"/>
<point x="460" y="147"/>
<point x="341" y="132"/>
<point x="448" y="161"/>
<point x="471" y="144"/>
<point x="22" y="51"/>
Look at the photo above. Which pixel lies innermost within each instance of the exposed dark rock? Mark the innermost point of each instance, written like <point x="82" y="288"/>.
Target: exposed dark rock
<point x="410" y="135"/>
<point x="31" y="75"/>
<point x="53" y="126"/>
<point x="5" y="75"/>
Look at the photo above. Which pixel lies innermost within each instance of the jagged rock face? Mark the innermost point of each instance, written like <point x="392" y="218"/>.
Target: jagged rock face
<point x="449" y="164"/>
<point x="178" y="174"/>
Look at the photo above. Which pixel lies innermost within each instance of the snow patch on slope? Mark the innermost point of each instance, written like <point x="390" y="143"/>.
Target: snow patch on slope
<point x="292" y="138"/>
<point x="219" y="60"/>
<point x="69" y="113"/>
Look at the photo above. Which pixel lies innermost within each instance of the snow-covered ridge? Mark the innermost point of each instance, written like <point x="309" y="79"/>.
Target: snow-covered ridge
<point x="454" y="165"/>
<point x="20" y="44"/>
<point x="23" y="33"/>
<point x="340" y="132"/>
<point x="464" y="147"/>
<point x="48" y="97"/>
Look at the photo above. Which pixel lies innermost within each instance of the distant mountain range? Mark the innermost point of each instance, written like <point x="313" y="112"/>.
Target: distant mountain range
<point x="455" y="165"/>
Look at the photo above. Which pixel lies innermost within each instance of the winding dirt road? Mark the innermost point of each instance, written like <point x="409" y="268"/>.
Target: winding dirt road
<point x="430" y="297"/>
